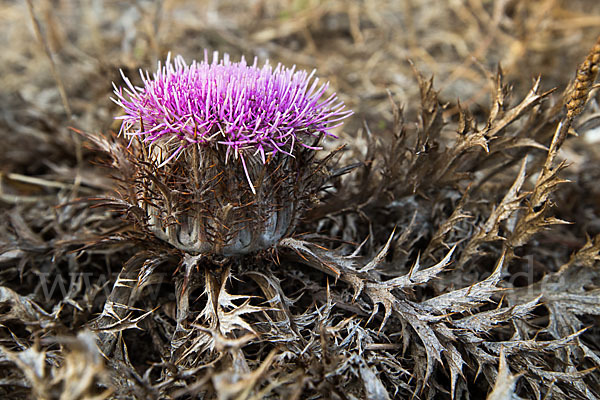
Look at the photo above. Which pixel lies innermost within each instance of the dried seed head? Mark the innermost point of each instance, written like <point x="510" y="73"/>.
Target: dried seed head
<point x="223" y="152"/>
<point x="586" y="75"/>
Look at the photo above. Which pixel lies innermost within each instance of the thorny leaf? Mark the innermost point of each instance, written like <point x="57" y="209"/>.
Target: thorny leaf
<point x="484" y="321"/>
<point x="417" y="276"/>
<point x="229" y="315"/>
<point x="77" y="376"/>
<point x="235" y="386"/>
<point x="504" y="388"/>
<point x="467" y="298"/>
<point x="374" y="389"/>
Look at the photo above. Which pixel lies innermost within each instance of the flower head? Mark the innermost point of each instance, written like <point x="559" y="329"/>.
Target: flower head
<point x="244" y="108"/>
<point x="222" y="157"/>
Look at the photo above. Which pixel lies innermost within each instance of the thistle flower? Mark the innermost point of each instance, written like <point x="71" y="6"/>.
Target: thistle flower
<point x="221" y="156"/>
<point x="246" y="109"/>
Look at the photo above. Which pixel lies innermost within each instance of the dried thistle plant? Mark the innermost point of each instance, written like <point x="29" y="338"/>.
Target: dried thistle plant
<point x="222" y="161"/>
<point x="402" y="280"/>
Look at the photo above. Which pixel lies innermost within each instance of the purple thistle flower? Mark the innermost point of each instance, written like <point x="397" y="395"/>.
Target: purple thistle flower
<point x="249" y="110"/>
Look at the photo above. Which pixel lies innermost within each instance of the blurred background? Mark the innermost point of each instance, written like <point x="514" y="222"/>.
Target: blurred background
<point x="60" y="57"/>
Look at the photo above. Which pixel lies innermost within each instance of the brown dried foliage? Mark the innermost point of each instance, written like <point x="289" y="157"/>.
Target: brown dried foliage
<point x="446" y="256"/>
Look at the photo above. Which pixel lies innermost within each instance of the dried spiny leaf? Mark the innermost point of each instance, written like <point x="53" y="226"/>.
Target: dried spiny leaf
<point x="489" y="232"/>
<point x="504" y="388"/>
<point x="587" y="256"/>
<point x="468" y="298"/>
<point x="77" y="376"/>
<point x="417" y="276"/>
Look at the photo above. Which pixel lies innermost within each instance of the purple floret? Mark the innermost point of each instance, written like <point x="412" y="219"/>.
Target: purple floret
<point x="250" y="110"/>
